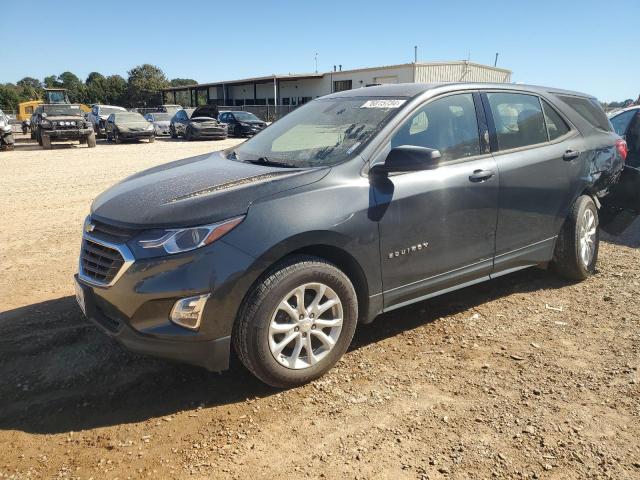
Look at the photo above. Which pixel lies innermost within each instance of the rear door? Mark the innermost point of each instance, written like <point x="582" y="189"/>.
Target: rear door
<point x="538" y="154"/>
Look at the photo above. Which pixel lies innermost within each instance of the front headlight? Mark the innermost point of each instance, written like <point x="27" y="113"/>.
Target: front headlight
<point x="186" y="239"/>
<point x="150" y="127"/>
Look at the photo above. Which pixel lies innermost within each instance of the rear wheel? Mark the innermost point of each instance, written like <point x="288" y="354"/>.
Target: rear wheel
<point x="91" y="140"/>
<point x="116" y="137"/>
<point x="46" y="142"/>
<point x="297" y="322"/>
<point x="576" y="252"/>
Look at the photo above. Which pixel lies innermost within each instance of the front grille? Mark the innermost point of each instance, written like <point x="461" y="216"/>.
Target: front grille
<point x="111" y="232"/>
<point x="99" y="263"/>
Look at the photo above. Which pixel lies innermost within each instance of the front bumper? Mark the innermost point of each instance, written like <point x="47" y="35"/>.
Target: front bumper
<point x="215" y="134"/>
<point x="210" y="354"/>
<point x="135" y="309"/>
<point x="70" y="134"/>
<point x="136" y="135"/>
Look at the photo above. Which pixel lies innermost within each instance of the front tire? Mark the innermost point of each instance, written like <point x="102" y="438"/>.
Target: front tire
<point x="187" y="135"/>
<point x="91" y="140"/>
<point x="152" y="139"/>
<point x="576" y="252"/>
<point x="46" y="142"/>
<point x="297" y="322"/>
<point x="116" y="137"/>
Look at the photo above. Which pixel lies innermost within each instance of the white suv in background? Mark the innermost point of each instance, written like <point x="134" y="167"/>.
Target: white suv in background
<point x="98" y="117"/>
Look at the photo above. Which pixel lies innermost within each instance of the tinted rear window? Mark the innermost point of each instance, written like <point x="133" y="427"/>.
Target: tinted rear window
<point x="590" y="110"/>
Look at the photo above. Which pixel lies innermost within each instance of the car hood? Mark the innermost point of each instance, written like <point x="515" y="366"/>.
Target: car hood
<point x="140" y="124"/>
<point x="194" y="191"/>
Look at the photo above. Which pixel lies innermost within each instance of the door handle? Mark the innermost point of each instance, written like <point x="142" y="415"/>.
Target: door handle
<point x="481" y="175"/>
<point x="570" y="155"/>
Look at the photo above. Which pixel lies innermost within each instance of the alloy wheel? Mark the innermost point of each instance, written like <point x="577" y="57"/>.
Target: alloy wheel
<point x="305" y="326"/>
<point x="587" y="233"/>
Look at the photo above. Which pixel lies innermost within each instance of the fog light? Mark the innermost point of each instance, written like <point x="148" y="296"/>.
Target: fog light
<point x="187" y="312"/>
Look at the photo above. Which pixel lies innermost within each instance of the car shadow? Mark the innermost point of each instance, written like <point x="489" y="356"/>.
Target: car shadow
<point x="60" y="373"/>
<point x="629" y="238"/>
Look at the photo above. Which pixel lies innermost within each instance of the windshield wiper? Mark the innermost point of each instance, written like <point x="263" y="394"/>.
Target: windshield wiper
<point x="271" y="163"/>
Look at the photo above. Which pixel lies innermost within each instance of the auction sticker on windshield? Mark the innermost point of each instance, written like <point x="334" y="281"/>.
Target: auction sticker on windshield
<point x="394" y="103"/>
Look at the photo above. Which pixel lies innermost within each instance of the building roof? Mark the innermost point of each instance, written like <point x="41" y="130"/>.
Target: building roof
<point x="242" y="81"/>
<point x="302" y="76"/>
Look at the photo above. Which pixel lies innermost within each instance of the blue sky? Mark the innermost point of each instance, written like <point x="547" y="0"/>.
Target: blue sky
<point x="582" y="45"/>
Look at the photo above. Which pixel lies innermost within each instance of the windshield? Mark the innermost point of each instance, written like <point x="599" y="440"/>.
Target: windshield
<point x="62" y="109"/>
<point x="321" y="133"/>
<point x="109" y="110"/>
<point x="246" y="117"/>
<point x="129" y="117"/>
<point x="161" y="117"/>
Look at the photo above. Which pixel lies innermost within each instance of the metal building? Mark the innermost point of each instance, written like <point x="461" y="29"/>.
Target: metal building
<point x="295" y="89"/>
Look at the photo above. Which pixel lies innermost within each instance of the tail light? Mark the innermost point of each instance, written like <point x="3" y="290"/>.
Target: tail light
<point x="621" y="147"/>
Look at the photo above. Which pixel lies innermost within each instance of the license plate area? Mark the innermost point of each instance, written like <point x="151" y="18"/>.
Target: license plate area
<point x="80" y="297"/>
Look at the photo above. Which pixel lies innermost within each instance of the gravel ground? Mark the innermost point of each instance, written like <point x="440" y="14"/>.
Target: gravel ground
<point x="527" y="376"/>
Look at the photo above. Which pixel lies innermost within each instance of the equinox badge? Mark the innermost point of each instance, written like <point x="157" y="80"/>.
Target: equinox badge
<point x="412" y="249"/>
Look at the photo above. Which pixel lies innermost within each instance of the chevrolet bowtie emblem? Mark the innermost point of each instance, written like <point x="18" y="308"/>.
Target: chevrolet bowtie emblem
<point x="411" y="249"/>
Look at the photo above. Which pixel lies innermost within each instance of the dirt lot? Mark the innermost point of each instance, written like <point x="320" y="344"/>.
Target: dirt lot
<point x="528" y="376"/>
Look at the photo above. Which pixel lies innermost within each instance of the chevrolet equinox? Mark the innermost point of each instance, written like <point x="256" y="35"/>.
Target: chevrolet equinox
<point x="357" y="203"/>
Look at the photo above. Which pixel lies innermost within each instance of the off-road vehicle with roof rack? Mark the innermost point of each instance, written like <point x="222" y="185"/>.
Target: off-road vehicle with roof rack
<point x="59" y="122"/>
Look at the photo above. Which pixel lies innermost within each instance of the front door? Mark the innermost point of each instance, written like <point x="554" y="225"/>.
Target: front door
<point x="437" y="227"/>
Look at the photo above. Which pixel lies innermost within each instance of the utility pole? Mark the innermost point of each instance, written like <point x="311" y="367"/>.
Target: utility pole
<point x="316" y="58"/>
<point x="495" y="63"/>
<point x="415" y="54"/>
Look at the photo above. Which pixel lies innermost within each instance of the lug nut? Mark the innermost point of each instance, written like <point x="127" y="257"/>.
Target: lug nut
<point x="311" y="316"/>
<point x="304" y="335"/>
<point x="301" y="317"/>
<point x="296" y="329"/>
<point x="313" y="327"/>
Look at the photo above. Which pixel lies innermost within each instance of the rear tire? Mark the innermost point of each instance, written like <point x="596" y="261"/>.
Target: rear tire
<point x="116" y="137"/>
<point x="576" y="251"/>
<point x="152" y="139"/>
<point x="326" y="321"/>
<point x="91" y="140"/>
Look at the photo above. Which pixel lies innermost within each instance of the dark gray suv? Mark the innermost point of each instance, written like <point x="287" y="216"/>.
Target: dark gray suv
<point x="355" y="204"/>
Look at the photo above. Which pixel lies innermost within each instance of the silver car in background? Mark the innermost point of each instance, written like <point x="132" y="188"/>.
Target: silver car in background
<point x="98" y="117"/>
<point x="160" y="122"/>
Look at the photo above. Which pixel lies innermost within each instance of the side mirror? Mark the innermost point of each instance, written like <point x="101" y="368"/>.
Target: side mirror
<point x="408" y="158"/>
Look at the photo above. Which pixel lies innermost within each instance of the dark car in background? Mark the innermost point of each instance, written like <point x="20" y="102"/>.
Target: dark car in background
<point x="626" y="123"/>
<point x="124" y="126"/>
<point x="357" y="203"/>
<point x="241" y="123"/>
<point x="201" y="124"/>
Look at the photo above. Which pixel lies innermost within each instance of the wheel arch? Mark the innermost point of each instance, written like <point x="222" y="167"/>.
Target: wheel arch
<point x="331" y="251"/>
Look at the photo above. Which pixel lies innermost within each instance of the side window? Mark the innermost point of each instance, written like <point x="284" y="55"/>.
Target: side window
<point x="556" y="126"/>
<point x="448" y="124"/>
<point x="518" y="118"/>
<point x="621" y="121"/>
<point x="590" y="110"/>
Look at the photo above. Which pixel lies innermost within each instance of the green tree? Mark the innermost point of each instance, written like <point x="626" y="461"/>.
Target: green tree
<point x="52" y="82"/>
<point x="9" y="97"/>
<point x="182" y="82"/>
<point x="29" y="88"/>
<point x="76" y="89"/>
<point x="115" y="88"/>
<point x="144" y="85"/>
